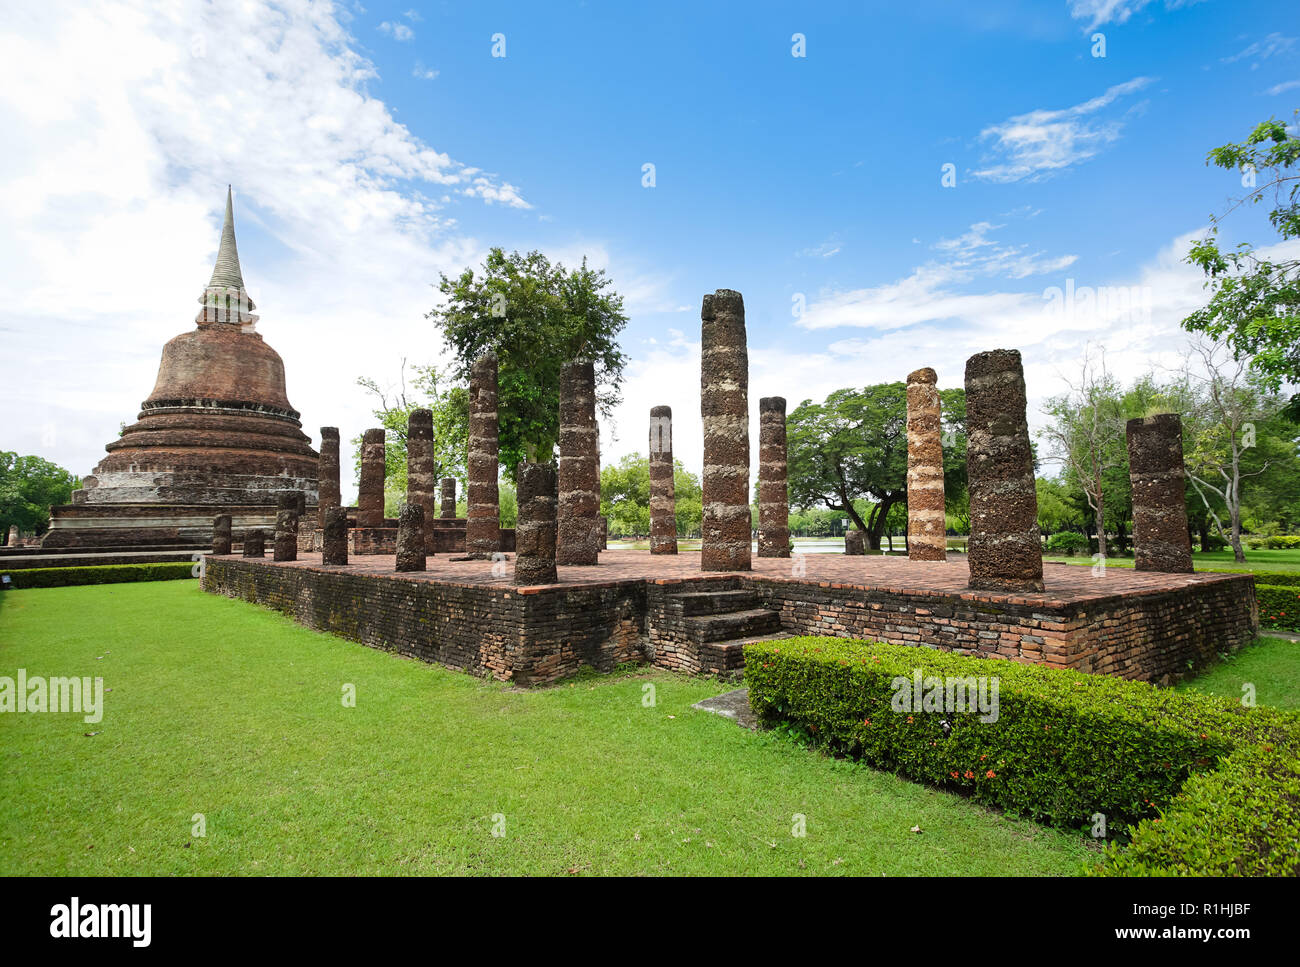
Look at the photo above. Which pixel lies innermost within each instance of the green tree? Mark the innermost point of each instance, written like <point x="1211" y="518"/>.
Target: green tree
<point x="29" y="487"/>
<point x="625" y="496"/>
<point x="449" y="404"/>
<point x="1227" y="406"/>
<point x="535" y="316"/>
<point x="853" y="447"/>
<point x="1086" y="434"/>
<point x="1255" y="301"/>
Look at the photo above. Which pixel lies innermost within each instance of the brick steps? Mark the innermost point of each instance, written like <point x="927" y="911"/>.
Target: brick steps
<point x="697" y="603"/>
<point x="710" y="628"/>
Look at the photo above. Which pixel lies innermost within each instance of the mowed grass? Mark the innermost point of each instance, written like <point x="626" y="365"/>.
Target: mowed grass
<point x="1270" y="665"/>
<point x="227" y="710"/>
<point x="1261" y="560"/>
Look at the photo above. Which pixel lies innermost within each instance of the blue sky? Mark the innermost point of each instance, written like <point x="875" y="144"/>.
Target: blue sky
<point x="372" y="147"/>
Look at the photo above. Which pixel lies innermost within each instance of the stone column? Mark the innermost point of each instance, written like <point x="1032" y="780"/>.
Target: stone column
<point x="724" y="406"/>
<point x="535" y="533"/>
<point x="1161" y="540"/>
<point x="577" y="540"/>
<point x="448" y="497"/>
<point x="328" y="473"/>
<point x="926" y="525"/>
<point x="334" y="545"/>
<point x="410" y="538"/>
<point x="422" y="472"/>
<point x="370" y="494"/>
<point x="483" y="515"/>
<point x="1005" y="552"/>
<point x="773" y="498"/>
<point x="13" y="535"/>
<point x="221" y="534"/>
<point x="255" y="543"/>
<point x="663" y="500"/>
<point x="855" y="542"/>
<point x="286" y="528"/>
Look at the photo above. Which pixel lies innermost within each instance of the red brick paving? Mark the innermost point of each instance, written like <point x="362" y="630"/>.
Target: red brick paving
<point x="1064" y="583"/>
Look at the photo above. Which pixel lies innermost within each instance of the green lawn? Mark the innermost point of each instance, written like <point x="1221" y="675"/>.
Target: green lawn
<point x="1271" y="665"/>
<point x="222" y="708"/>
<point x="1262" y="560"/>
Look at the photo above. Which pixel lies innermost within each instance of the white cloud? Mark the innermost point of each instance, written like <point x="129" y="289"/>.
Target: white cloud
<point x="1283" y="87"/>
<point x="1099" y="12"/>
<point x="1262" y="50"/>
<point x="1041" y="143"/>
<point x="113" y="182"/>
<point x="399" y="32"/>
<point x="825" y="250"/>
<point x="422" y="72"/>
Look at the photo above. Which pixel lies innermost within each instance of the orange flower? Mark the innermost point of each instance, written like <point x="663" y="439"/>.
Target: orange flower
<point x="990" y="774"/>
<point x="969" y="774"/>
<point x="956" y="775"/>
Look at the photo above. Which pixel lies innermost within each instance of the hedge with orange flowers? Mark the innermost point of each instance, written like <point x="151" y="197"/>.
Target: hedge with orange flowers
<point x="1279" y="607"/>
<point x="1065" y="746"/>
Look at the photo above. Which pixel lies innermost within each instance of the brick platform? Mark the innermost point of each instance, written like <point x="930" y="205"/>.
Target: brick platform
<point x="637" y="607"/>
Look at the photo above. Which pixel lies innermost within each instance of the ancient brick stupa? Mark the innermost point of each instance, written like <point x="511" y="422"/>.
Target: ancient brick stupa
<point x="217" y="434"/>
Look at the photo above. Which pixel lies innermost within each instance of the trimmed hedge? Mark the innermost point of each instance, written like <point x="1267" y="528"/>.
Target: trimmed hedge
<point x="1279" y="607"/>
<point x="63" y="577"/>
<point x="1065" y="744"/>
<point x="1241" y="820"/>
<point x="1277" y="579"/>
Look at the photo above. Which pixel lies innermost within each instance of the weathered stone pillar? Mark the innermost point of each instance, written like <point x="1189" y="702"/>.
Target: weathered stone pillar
<point x="334" y="536"/>
<point x="422" y="471"/>
<point x="724" y="406"/>
<point x="577" y="541"/>
<point x="535" y="533"/>
<point x="855" y="542"/>
<point x="483" y="514"/>
<point x="255" y="543"/>
<point x="370" y="494"/>
<point x="13" y="535"/>
<point x="773" y="498"/>
<point x="410" y="538"/>
<point x="1161" y="537"/>
<point x="286" y="528"/>
<point x="1005" y="552"/>
<point x="448" y="497"/>
<point x="221" y="534"/>
<point x="663" y="499"/>
<point x="330" y="495"/>
<point x="926" y="525"/>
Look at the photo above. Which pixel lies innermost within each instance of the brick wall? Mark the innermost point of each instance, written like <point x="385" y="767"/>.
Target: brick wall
<point x="529" y="636"/>
<point x="1155" y="636"/>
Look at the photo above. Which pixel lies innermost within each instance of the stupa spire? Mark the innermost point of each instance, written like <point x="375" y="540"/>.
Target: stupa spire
<point x="225" y="299"/>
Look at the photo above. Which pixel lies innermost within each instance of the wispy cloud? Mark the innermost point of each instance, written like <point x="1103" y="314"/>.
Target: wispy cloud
<point x="1262" y="50"/>
<point x="1099" y="12"/>
<point x="422" y="72"/>
<point x="825" y="250"/>
<point x="397" y="31"/>
<point x="1283" y="87"/>
<point x="1038" y="144"/>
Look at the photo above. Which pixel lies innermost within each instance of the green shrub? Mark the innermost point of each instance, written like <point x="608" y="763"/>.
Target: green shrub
<point x="63" y="577"/>
<point x="1277" y="542"/>
<point x="1241" y="820"/>
<point x="1278" y="579"/>
<point x="1279" y="607"/>
<point x="1066" y="542"/>
<point x="1065" y="745"/>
